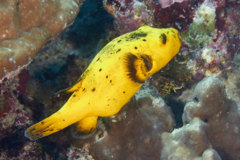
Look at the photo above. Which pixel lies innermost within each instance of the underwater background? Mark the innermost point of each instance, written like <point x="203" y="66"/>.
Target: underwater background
<point x="188" y="110"/>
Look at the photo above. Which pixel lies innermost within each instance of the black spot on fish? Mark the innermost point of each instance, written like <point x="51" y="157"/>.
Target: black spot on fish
<point x="119" y="41"/>
<point x="63" y="119"/>
<point x="106" y="76"/>
<point x="131" y="70"/>
<point x="98" y="59"/>
<point x="93" y="89"/>
<point x="83" y="89"/>
<point x="144" y="40"/>
<point x="163" y="38"/>
<point x="137" y="35"/>
<point x="172" y="31"/>
<point x="42" y="122"/>
<point x="147" y="61"/>
<point x="123" y="92"/>
<point x="135" y="47"/>
<point x="118" y="50"/>
<point x="100" y="69"/>
<point x="110" y="81"/>
<point x="74" y="95"/>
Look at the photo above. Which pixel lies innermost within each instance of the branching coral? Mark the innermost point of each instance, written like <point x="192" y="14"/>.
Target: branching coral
<point x="25" y="26"/>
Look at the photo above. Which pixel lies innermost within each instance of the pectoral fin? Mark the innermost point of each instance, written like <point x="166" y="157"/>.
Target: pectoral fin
<point x="84" y="128"/>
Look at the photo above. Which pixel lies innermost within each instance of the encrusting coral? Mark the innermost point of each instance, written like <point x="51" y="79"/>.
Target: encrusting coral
<point x="25" y="26"/>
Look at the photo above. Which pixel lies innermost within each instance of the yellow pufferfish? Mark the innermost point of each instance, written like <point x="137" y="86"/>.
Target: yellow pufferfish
<point x="113" y="77"/>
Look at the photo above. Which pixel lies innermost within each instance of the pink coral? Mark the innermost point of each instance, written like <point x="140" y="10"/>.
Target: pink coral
<point x="168" y="3"/>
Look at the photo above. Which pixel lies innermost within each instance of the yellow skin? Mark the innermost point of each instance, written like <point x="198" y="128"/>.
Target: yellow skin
<point x="112" y="78"/>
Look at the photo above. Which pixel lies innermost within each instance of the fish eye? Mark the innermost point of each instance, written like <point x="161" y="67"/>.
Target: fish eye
<point x="163" y="38"/>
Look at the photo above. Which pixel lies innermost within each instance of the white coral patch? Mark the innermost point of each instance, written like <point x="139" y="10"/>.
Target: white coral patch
<point x="207" y="55"/>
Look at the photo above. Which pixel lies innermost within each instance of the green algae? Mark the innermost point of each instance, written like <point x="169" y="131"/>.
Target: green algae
<point x="202" y="29"/>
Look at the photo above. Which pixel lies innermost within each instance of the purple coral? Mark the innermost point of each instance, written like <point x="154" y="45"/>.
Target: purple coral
<point x="13" y="115"/>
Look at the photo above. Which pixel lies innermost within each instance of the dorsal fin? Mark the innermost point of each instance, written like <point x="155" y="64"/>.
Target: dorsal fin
<point x="71" y="89"/>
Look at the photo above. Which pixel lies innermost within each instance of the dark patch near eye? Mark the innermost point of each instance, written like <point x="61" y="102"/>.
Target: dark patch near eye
<point x="135" y="47"/>
<point x="98" y="59"/>
<point x="106" y="76"/>
<point x="131" y="70"/>
<point x="147" y="61"/>
<point x="93" y="89"/>
<point x="42" y="122"/>
<point x="164" y="38"/>
<point x="100" y="69"/>
<point x="118" y="50"/>
<point x="119" y="41"/>
<point x="144" y="40"/>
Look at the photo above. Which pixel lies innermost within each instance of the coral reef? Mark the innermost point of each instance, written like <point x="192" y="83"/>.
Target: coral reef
<point x="211" y="120"/>
<point x="129" y="15"/>
<point x="13" y="116"/>
<point x="208" y="28"/>
<point x="27" y="25"/>
<point x="78" y="154"/>
<point x="209" y="128"/>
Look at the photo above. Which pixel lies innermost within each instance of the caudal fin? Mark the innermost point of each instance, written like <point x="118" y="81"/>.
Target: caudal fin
<point x="46" y="127"/>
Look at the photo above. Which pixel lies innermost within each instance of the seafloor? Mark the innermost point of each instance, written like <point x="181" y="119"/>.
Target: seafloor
<point x="189" y="110"/>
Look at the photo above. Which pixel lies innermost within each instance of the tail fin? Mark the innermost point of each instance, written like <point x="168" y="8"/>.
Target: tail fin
<point x="46" y="127"/>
